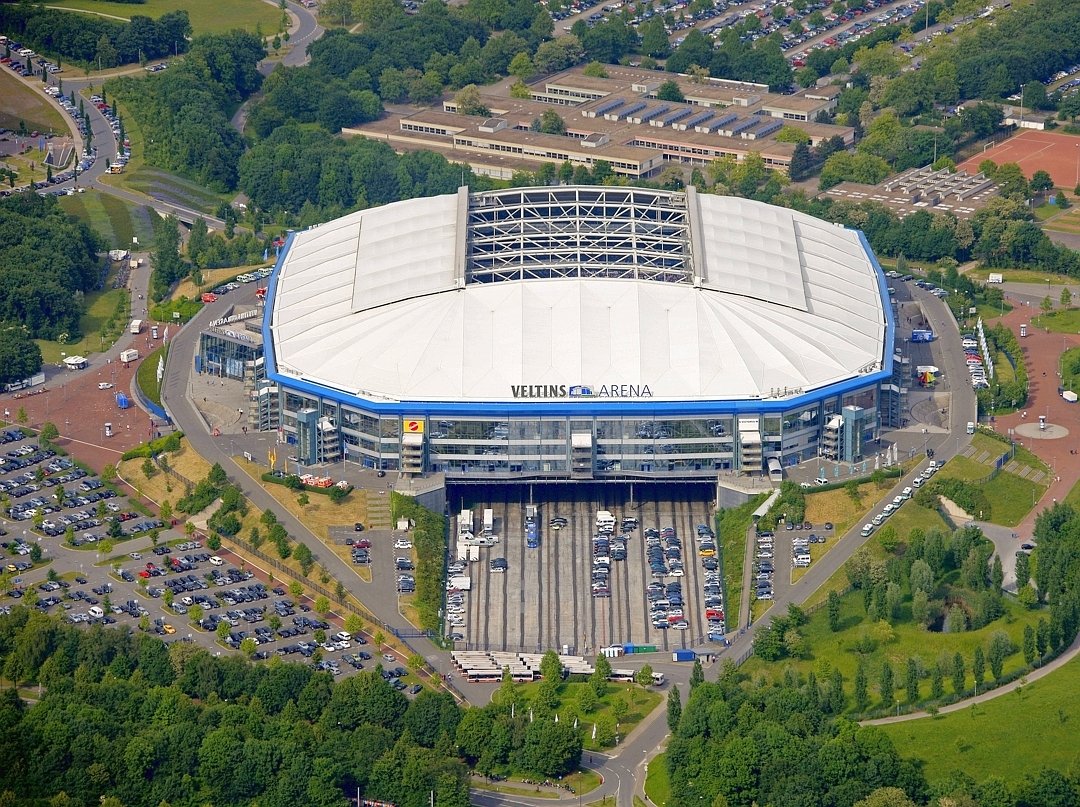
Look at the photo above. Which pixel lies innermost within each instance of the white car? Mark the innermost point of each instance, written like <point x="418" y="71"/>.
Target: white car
<point x="402" y="543"/>
<point x="343" y="636"/>
<point x="104" y="385"/>
<point x="216" y="561"/>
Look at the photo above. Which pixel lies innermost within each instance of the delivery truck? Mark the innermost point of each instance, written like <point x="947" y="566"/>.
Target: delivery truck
<point x="1069" y="396"/>
<point x="460" y="582"/>
<point x="129" y="355"/>
<point x="489" y="521"/>
<point x="464" y="523"/>
<point x="136" y="326"/>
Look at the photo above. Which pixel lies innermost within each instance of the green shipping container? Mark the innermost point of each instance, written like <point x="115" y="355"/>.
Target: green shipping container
<point x="645" y="648"/>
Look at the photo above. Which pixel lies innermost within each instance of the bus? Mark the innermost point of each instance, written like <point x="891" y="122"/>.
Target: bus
<point x="483" y="676"/>
<point x="532" y="527"/>
<point x="622" y="676"/>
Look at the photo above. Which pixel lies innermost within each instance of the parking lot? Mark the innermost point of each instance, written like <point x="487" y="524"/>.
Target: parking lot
<point x="553" y="596"/>
<point x="58" y="512"/>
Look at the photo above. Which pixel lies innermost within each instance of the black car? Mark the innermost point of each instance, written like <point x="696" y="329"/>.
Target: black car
<point x="358" y="527"/>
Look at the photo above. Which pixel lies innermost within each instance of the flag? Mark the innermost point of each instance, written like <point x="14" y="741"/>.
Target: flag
<point x="556" y="717"/>
<point x="165" y="335"/>
<point x="266" y="254"/>
<point x="594" y="731"/>
<point x="530" y="714"/>
<point x="512" y="705"/>
<point x="575" y="723"/>
<point x="160" y="368"/>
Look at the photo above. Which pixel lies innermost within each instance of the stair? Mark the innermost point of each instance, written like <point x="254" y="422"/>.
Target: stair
<point x="378" y="510"/>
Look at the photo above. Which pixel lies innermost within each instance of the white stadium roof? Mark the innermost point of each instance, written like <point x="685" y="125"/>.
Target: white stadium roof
<point x="461" y="297"/>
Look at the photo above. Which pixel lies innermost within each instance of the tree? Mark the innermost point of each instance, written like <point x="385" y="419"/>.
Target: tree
<point x="1041" y="181"/>
<point x="997" y="574"/>
<point x="601" y="674"/>
<point x="20" y="356"/>
<point x="644" y="676"/>
<point x="670" y="91"/>
<point x="322" y="605"/>
<point x="861" y="696"/>
<point x="550" y="667"/>
<point x="1029" y="644"/>
<point x="303" y="500"/>
<point x="978" y="667"/>
<point x="958" y="674"/>
<point x="223" y="629"/>
<point x="920" y="607"/>
<point x="214" y="542"/>
<point x="296" y="590"/>
<point x="522" y="66"/>
<point x="674" y="708"/>
<point x="268" y="518"/>
<point x="248" y="646"/>
<point x="801" y="166"/>
<point x="166" y="512"/>
<point x="834" y="611"/>
<point x="697" y="675"/>
<point x="886" y="797"/>
<point x="1066" y="297"/>
<point x="469" y="103"/>
<point x="886" y="685"/>
<point x="354" y="624"/>
<point x="379" y="639"/>
<point x="937" y="682"/>
<point x="550" y="122"/>
<point x="1047" y="305"/>
<point x="911" y="680"/>
<point x="303" y="556"/>
<point x="49" y="432"/>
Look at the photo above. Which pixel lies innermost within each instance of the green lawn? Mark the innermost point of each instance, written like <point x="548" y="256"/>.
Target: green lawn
<point x="733" y="548"/>
<point x="828" y="650"/>
<point x="1067" y="321"/>
<point x="965" y="468"/>
<point x="22" y="104"/>
<point x="658" y="781"/>
<point x="1011" y="496"/>
<point x="104" y="319"/>
<point x="912" y="515"/>
<point x="146" y="375"/>
<point x="116" y="220"/>
<point x="207" y="16"/>
<point x="1046" y="211"/>
<point x="1013" y="735"/>
<point x="1020" y="276"/>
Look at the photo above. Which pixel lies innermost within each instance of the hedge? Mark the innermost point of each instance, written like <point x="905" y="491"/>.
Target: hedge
<point x="277" y="479"/>
<point x="170" y="442"/>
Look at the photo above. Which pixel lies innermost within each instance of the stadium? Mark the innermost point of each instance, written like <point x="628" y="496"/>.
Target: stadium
<point x="580" y="333"/>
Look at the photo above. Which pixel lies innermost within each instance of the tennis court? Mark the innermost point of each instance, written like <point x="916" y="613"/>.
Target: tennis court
<point x="1032" y="150"/>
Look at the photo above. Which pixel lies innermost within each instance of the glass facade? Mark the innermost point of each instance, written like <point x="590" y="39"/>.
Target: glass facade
<point x="231" y="354"/>
<point x="613" y="446"/>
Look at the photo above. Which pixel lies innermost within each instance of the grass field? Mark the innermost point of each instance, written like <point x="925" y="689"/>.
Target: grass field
<point x="640" y="703"/>
<point x="1060" y="321"/>
<point x="116" y="220"/>
<point x="146" y="375"/>
<point x="211" y="278"/>
<point x="733" y="548"/>
<point x="101" y="306"/>
<point x="1010" y="736"/>
<point x="1011" y="496"/>
<point x="658" y="781"/>
<point x="828" y="650"/>
<point x="207" y="16"/>
<point x="22" y="104"/>
<point x="1020" y="276"/>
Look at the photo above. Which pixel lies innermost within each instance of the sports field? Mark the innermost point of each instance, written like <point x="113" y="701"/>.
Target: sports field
<point x="207" y="16"/>
<point x="113" y="218"/>
<point x="1057" y="154"/>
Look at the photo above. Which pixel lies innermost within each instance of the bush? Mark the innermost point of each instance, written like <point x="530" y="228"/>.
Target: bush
<point x="169" y="443"/>
<point x="297" y="485"/>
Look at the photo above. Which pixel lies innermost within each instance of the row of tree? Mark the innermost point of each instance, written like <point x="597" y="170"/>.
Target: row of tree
<point x="95" y="40"/>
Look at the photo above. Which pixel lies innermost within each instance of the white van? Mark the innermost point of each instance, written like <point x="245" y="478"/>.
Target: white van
<point x="907" y="493"/>
<point x="917" y="482"/>
<point x="867" y="530"/>
<point x="970" y="427"/>
<point x="95" y="612"/>
<point x="216" y="561"/>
